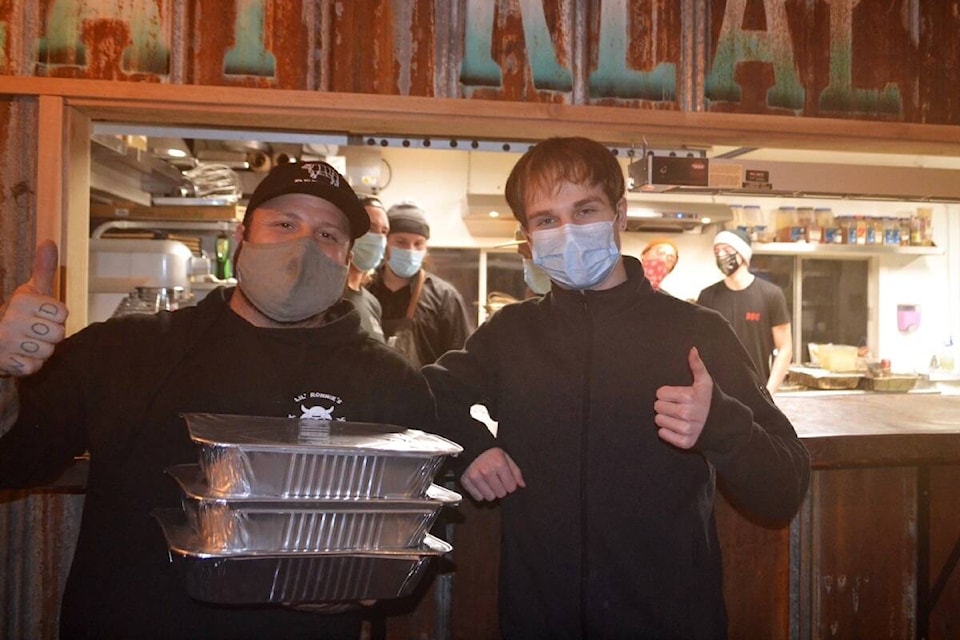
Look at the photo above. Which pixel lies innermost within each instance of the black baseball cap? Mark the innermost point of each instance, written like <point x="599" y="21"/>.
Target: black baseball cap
<point x="315" y="179"/>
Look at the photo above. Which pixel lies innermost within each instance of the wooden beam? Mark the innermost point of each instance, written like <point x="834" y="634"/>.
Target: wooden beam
<point x="50" y="168"/>
<point x="365" y="114"/>
<point x="75" y="250"/>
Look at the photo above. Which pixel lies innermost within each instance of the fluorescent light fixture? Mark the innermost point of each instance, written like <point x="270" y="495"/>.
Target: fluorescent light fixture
<point x="642" y="212"/>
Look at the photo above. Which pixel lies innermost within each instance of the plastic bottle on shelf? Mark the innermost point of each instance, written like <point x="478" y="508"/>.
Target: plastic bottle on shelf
<point x="736" y="210"/>
<point x="825" y="223"/>
<point x="926" y="227"/>
<point x="875" y="231"/>
<point x="805" y="220"/>
<point x="891" y="232"/>
<point x="946" y="359"/>
<point x="860" y="230"/>
<point x="921" y="227"/>
<point x="905" y="228"/>
<point x="752" y="218"/>
<point x="786" y="223"/>
<point x="224" y="267"/>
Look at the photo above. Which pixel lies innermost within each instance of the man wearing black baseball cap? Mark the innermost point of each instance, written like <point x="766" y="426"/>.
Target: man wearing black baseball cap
<point x="281" y="344"/>
<point x="294" y="245"/>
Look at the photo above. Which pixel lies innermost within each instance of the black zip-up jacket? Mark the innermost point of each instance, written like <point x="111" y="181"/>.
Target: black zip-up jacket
<point x="116" y="389"/>
<point x="614" y="534"/>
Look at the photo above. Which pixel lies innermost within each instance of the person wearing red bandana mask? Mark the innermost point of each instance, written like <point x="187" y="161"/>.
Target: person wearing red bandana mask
<point x="658" y="258"/>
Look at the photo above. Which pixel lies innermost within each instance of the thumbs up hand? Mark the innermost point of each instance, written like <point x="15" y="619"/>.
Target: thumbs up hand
<point x="32" y="320"/>
<point x="681" y="412"/>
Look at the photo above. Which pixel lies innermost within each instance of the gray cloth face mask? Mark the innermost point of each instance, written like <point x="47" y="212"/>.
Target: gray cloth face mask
<point x="289" y="281"/>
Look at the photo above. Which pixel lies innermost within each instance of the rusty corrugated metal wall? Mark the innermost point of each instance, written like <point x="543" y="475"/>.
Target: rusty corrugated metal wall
<point x="864" y="59"/>
<point x="886" y="60"/>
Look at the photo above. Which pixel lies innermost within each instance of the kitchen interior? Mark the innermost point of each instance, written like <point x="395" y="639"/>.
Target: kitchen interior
<point x="866" y="247"/>
<point x="826" y="228"/>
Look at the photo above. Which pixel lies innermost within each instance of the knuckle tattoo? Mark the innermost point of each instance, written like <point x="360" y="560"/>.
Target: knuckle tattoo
<point x="40" y="329"/>
<point x="48" y="309"/>
<point x="29" y="346"/>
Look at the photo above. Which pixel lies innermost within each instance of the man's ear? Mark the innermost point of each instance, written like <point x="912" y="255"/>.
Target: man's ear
<point x="527" y="235"/>
<point x="622" y="214"/>
<point x="238" y="234"/>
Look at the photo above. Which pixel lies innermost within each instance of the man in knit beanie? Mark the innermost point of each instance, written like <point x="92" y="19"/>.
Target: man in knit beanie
<point x="423" y="315"/>
<point x="755" y="307"/>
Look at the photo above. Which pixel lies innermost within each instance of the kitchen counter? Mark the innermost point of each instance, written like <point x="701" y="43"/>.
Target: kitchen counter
<point x="874" y="551"/>
<point x="875" y="429"/>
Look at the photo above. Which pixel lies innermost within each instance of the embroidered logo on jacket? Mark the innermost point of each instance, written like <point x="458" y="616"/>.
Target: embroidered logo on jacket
<point x="316" y="405"/>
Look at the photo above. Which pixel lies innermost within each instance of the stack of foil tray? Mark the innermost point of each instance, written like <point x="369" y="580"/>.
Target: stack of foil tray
<point x="303" y="511"/>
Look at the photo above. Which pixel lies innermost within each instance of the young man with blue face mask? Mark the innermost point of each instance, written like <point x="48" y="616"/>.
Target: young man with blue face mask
<point x="618" y="411"/>
<point x="367" y="255"/>
<point x="423" y="315"/>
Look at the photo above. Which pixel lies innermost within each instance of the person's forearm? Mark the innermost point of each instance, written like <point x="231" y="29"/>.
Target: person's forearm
<point x="778" y="370"/>
<point x="9" y="403"/>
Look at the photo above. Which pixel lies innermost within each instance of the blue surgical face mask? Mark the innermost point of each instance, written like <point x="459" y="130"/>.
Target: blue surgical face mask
<point x="536" y="278"/>
<point x="368" y="250"/>
<point x="578" y="256"/>
<point x="405" y="262"/>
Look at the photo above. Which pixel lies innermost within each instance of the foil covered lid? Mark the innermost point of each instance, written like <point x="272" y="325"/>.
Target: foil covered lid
<point x="313" y="435"/>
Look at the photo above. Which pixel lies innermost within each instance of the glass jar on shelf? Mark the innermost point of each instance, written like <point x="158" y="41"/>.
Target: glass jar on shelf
<point x="805" y="220"/>
<point x="860" y="230"/>
<point x="875" y="230"/>
<point x="905" y="228"/>
<point x="891" y="232"/>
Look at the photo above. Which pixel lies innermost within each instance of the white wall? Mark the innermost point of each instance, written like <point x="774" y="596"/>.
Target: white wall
<point x="440" y="179"/>
<point x="933" y="283"/>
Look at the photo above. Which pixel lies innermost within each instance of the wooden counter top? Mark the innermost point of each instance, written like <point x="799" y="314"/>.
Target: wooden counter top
<point x="876" y="429"/>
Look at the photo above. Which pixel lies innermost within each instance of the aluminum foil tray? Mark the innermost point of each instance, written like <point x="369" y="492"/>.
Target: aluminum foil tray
<point x="305" y="524"/>
<point x="304" y="458"/>
<point x="294" y="578"/>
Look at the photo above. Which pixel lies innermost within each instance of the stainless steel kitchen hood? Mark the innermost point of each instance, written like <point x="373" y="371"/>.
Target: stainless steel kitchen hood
<point x="487" y="214"/>
<point x="676" y="216"/>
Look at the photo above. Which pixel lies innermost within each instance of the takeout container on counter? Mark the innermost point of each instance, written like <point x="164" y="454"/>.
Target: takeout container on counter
<point x="293" y="577"/>
<point x="254" y="524"/>
<point x="834" y="357"/>
<point x="290" y="458"/>
<point x="815" y="378"/>
<point x="894" y="383"/>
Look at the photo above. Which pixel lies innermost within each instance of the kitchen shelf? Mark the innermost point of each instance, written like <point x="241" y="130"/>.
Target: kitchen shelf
<point x="839" y="250"/>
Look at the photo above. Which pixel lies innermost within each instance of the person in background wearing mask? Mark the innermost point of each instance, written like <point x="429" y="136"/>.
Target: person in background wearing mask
<point x="537" y="280"/>
<point x="368" y="253"/>
<point x="755" y="308"/>
<point x="658" y="258"/>
<point x="618" y="411"/>
<point x="279" y="344"/>
<point x="423" y="315"/>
